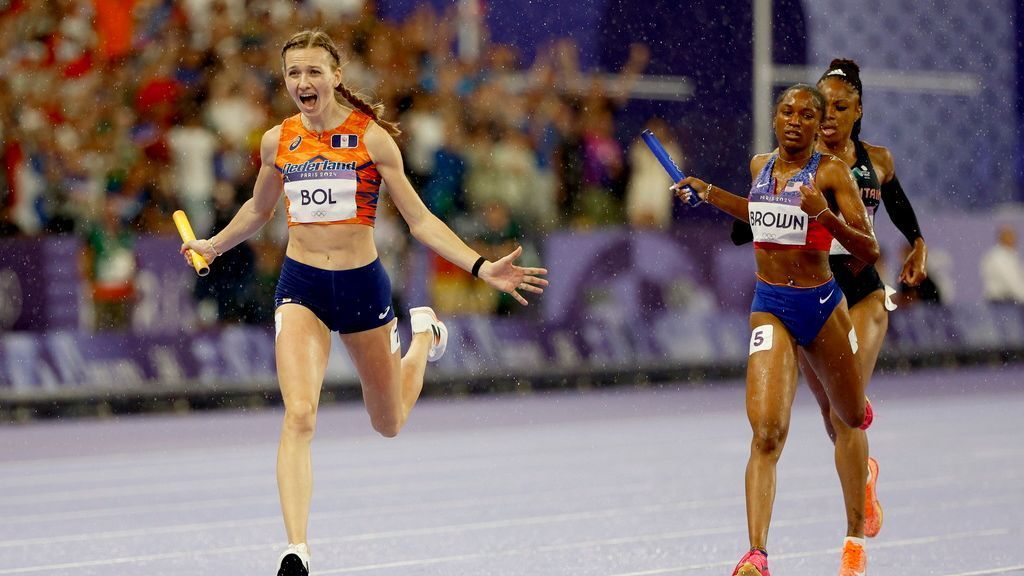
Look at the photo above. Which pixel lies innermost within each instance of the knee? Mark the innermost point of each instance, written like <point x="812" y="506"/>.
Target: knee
<point x="388" y="425"/>
<point x="300" y="420"/>
<point x="851" y="417"/>
<point x="769" y="438"/>
<point x="855" y="418"/>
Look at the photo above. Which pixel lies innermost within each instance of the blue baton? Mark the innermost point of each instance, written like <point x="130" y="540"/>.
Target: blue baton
<point x="666" y="162"/>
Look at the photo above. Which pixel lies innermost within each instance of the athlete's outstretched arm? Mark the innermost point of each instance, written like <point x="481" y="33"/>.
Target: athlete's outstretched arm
<point x="431" y="231"/>
<point x="853" y="230"/>
<point x="735" y="206"/>
<point x="255" y="212"/>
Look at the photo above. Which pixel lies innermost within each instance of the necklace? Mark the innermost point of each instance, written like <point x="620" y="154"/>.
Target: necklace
<point x="795" y="162"/>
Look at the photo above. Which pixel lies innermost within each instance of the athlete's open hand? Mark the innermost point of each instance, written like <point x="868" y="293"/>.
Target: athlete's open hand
<point x="507" y="277"/>
<point x="202" y="247"/>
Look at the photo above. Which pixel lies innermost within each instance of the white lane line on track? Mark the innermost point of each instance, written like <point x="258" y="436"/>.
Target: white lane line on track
<point x="510" y="523"/>
<point x="65" y="486"/>
<point x="987" y="571"/>
<point x="822" y="552"/>
<point x="271" y="497"/>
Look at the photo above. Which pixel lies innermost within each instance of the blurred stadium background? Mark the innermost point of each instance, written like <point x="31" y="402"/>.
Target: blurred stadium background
<point x="521" y="121"/>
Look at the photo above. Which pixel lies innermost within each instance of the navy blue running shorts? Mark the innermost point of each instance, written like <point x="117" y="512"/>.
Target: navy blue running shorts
<point x="346" y="301"/>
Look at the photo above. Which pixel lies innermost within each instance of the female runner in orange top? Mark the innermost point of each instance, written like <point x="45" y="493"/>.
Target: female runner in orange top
<point x="330" y="160"/>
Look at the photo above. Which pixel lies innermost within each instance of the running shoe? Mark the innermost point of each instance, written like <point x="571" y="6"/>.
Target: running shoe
<point x="294" y="561"/>
<point x="424" y="320"/>
<point x="869" y="414"/>
<point x="754" y="563"/>
<point x="855" y="558"/>
<point x="872" y="508"/>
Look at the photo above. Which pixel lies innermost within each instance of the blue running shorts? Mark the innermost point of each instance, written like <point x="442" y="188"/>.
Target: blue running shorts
<point x="346" y="301"/>
<point x="803" y="311"/>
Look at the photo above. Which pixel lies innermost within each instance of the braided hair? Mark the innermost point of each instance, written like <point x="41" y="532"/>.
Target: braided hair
<point x="847" y="71"/>
<point x="317" y="38"/>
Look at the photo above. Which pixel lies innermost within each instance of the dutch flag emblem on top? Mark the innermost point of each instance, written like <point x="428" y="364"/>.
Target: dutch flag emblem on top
<point x="344" y="140"/>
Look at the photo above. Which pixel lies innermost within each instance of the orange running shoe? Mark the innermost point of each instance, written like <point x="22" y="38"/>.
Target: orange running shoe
<point x="869" y="414"/>
<point x="754" y="563"/>
<point x="872" y="508"/>
<point x="855" y="558"/>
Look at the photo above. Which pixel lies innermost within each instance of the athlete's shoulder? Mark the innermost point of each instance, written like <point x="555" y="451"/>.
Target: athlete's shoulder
<point x="830" y="162"/>
<point x="379" y="142"/>
<point x="758" y="162"/>
<point x="832" y="172"/>
<point x="882" y="159"/>
<point x="274" y="133"/>
<point x="269" y="144"/>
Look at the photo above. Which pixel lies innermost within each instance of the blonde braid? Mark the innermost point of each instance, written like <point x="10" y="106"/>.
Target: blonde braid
<point x="372" y="110"/>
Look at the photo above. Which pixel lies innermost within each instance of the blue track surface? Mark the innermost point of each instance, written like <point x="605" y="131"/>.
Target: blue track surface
<point x="610" y="483"/>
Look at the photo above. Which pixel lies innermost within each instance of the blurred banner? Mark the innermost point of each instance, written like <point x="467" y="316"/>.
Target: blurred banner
<point x="620" y="301"/>
<point x="71" y="364"/>
<point x="39" y="284"/>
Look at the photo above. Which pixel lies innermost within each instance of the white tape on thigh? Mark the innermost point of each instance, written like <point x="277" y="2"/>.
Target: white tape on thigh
<point x="277" y="325"/>
<point x="396" y="342"/>
<point x="761" y="338"/>
<point x="853" y="340"/>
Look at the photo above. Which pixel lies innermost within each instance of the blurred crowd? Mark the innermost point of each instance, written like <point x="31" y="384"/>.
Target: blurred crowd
<point x="115" y="113"/>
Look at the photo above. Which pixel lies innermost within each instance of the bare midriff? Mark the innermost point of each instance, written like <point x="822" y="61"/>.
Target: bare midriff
<point x="798" y="268"/>
<point x="332" y="247"/>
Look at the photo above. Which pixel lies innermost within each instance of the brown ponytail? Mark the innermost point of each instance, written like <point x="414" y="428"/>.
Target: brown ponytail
<point x="372" y="110"/>
<point x="317" y="38"/>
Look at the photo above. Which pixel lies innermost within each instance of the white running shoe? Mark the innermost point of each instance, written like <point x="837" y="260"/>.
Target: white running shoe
<point x="294" y="561"/>
<point x="423" y="319"/>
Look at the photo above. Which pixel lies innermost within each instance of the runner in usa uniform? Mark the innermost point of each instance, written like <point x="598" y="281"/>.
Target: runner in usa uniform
<point x="329" y="161"/>
<point x="799" y="201"/>
<point x="867" y="297"/>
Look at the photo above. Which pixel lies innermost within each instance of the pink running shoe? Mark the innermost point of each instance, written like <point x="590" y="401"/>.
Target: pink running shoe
<point x="754" y="563"/>
<point x="869" y="414"/>
<point x="872" y="508"/>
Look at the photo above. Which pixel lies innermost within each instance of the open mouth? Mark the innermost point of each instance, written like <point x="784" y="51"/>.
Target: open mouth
<point x="828" y="130"/>
<point x="308" y="99"/>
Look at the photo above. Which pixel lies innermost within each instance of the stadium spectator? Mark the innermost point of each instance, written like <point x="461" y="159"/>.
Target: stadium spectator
<point x="1001" y="272"/>
<point x="110" y="265"/>
<point x="648" y="202"/>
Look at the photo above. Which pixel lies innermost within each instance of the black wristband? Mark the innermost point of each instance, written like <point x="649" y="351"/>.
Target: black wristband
<point x="476" y="267"/>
